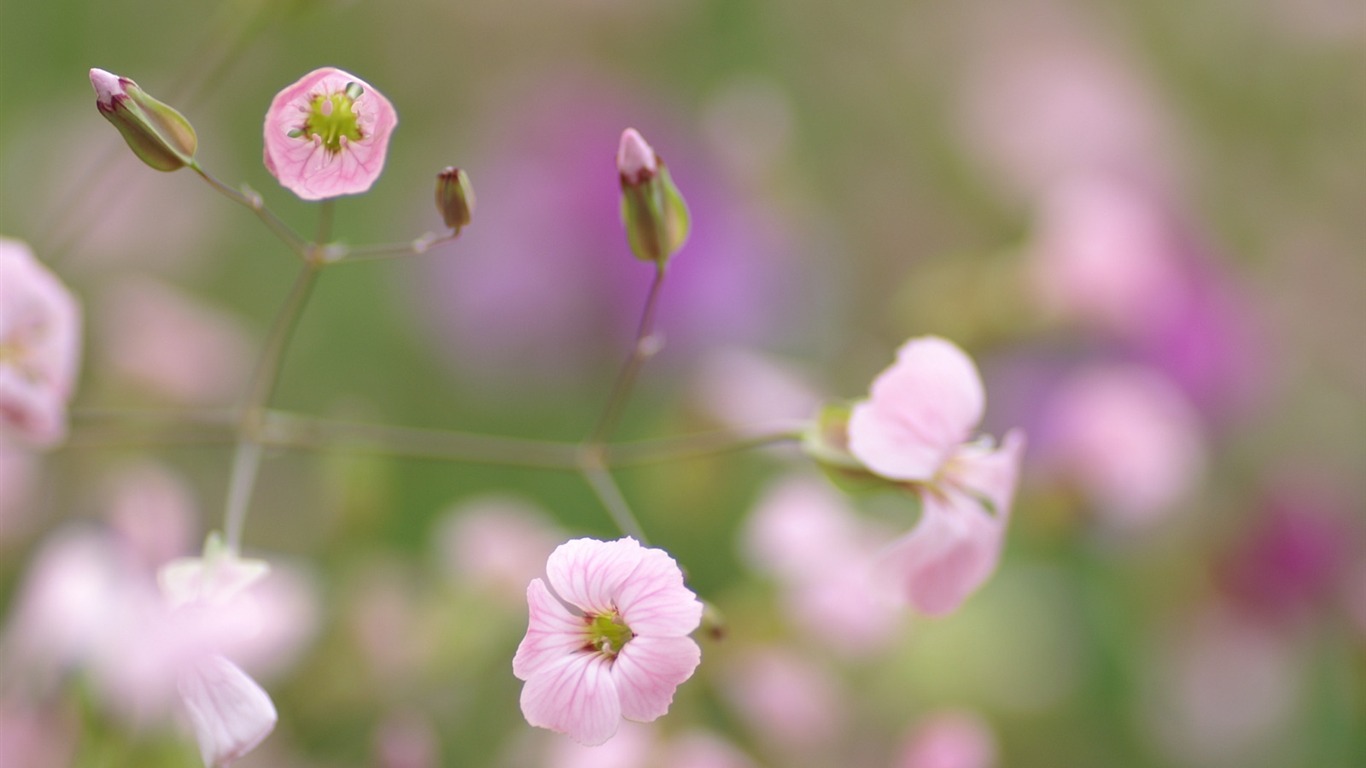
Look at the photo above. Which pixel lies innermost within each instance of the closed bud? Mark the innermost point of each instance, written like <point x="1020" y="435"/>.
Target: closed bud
<point x="652" y="209"/>
<point x="156" y="133"/>
<point x="454" y="197"/>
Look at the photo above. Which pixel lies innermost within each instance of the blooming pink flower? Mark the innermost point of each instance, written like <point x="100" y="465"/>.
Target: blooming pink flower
<point x="915" y="427"/>
<point x="327" y="134"/>
<point x="40" y="338"/>
<point x="610" y="642"/>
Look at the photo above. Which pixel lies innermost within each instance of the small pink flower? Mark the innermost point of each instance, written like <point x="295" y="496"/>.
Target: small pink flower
<point x="327" y="134"/>
<point x="950" y="740"/>
<point x="40" y="338"/>
<point x="915" y="427"/>
<point x="610" y="642"/>
<point x="229" y="712"/>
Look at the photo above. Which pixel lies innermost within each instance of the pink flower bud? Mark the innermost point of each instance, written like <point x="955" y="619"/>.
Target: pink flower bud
<point x="636" y="160"/>
<point x="652" y="209"/>
<point x="454" y="197"/>
<point x="156" y="133"/>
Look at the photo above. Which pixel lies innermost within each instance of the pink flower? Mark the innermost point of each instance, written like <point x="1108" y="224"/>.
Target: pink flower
<point x="327" y="134"/>
<point x="915" y="428"/>
<point x="610" y="642"/>
<point x="40" y="338"/>
<point x="950" y="740"/>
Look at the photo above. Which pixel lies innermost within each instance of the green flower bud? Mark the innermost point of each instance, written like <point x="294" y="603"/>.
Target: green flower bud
<point x="454" y="197"/>
<point x="652" y="209"/>
<point x="156" y="133"/>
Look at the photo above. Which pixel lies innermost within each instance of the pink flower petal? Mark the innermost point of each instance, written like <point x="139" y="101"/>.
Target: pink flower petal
<point x="988" y="473"/>
<point x="577" y="697"/>
<point x="552" y="633"/>
<point x="653" y="601"/>
<point x="228" y="710"/>
<point x="589" y="573"/>
<point x="919" y="411"/>
<point x="648" y="671"/>
<point x="40" y="331"/>
<point x="947" y="556"/>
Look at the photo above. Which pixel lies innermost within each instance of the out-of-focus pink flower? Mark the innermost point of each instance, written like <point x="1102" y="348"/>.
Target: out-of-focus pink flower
<point x="1051" y="94"/>
<point x="633" y="746"/>
<point x="915" y="428"/>
<point x="792" y="703"/>
<point x="744" y="389"/>
<point x="179" y="348"/>
<point x="496" y="544"/>
<point x="40" y="339"/>
<point x="950" y="740"/>
<point x="327" y="134"/>
<point x="621" y="647"/>
<point x="1127" y="438"/>
<point x="34" y="737"/>
<point x="1221" y="689"/>
<point x="1104" y="253"/>
<point x="699" y="749"/>
<point x="407" y="740"/>
<point x="153" y="511"/>
<point x="802" y="533"/>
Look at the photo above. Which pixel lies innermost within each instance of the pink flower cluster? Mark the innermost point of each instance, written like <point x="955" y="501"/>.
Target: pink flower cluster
<point x="610" y="642"/>
<point x="917" y="427"/>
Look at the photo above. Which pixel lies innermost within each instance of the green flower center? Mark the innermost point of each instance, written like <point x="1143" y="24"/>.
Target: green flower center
<point x="608" y="634"/>
<point x="332" y="117"/>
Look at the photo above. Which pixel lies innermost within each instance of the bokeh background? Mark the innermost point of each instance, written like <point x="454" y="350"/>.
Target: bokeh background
<point x="1144" y="218"/>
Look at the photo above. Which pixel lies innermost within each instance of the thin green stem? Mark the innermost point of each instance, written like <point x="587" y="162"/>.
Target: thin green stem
<point x="642" y="349"/>
<point x="247" y="457"/>
<point x="252" y="200"/>
<point x="605" y="487"/>
<point x="420" y="245"/>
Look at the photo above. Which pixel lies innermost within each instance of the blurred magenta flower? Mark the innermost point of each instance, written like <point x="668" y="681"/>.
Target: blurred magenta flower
<point x="610" y="642"/>
<point x="1125" y="437"/>
<point x="915" y="427"/>
<point x="950" y="739"/>
<point x="544" y="293"/>
<point x="327" y="134"/>
<point x="40" y="339"/>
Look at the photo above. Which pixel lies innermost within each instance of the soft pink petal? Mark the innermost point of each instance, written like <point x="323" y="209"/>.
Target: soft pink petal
<point x="947" y="556"/>
<point x="988" y="473"/>
<point x="919" y="411"/>
<point x="552" y="633"/>
<point x="589" y="573"/>
<point x="228" y="710"/>
<point x="40" y="333"/>
<point x="653" y="600"/>
<point x="31" y="409"/>
<point x="576" y="697"/>
<point x="648" y="671"/>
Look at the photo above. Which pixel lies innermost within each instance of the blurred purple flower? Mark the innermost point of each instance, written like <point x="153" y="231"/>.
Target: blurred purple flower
<point x="543" y="291"/>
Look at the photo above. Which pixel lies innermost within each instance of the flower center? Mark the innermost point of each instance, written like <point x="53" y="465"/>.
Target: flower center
<point x="332" y="118"/>
<point x="608" y="634"/>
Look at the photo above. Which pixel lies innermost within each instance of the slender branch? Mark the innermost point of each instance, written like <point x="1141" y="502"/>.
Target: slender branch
<point x="605" y="487"/>
<point x="699" y="445"/>
<point x="645" y="346"/>
<point x="420" y="245"/>
<point x="295" y="431"/>
<point x="252" y="200"/>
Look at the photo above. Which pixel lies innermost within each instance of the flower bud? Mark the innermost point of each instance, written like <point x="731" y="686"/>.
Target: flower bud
<point x="454" y="197"/>
<point x="652" y="209"/>
<point x="158" y="134"/>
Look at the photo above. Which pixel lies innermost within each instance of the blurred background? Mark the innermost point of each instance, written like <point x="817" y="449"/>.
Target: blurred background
<point x="1144" y="218"/>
